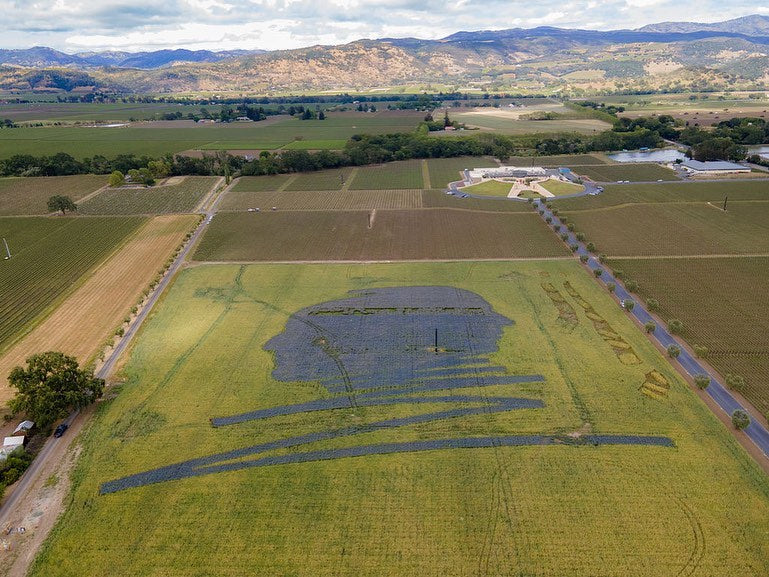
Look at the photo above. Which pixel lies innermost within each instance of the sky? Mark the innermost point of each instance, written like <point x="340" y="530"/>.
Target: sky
<point x="97" y="25"/>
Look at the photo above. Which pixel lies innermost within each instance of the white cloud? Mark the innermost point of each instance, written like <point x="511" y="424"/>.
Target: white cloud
<point x="74" y="25"/>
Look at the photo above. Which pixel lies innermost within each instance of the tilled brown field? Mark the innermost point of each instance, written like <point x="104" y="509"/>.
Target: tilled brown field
<point x="430" y="234"/>
<point x="89" y="315"/>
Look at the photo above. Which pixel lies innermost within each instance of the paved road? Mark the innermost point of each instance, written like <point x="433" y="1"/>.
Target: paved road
<point x="717" y="391"/>
<point x="30" y="475"/>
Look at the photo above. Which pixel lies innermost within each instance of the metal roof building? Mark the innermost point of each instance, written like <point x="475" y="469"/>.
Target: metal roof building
<point x="714" y="166"/>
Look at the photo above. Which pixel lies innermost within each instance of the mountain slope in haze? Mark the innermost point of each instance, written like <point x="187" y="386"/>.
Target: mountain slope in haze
<point x="539" y="60"/>
<point x="753" y="25"/>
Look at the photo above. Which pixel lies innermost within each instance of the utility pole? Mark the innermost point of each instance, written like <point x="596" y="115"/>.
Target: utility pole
<point x="436" y="340"/>
<point x="7" y="250"/>
<point x="725" y="199"/>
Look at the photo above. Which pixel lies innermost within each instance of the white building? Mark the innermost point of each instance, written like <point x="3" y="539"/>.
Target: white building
<point x="507" y="172"/>
<point x="714" y="167"/>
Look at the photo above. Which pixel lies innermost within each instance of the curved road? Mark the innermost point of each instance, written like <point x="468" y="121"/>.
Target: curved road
<point x="716" y="390"/>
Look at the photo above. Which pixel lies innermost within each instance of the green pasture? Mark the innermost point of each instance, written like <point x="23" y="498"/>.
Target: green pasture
<point x="560" y="188"/>
<point x="155" y="139"/>
<point x="445" y="170"/>
<point x="489" y="188"/>
<point x="570" y="509"/>
<point x="49" y="256"/>
<point x="30" y="196"/>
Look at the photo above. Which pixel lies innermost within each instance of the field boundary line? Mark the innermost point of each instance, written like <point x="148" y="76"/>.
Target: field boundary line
<point x="206" y="200"/>
<point x="426" y="183"/>
<point x="196" y="263"/>
<point x="692" y="256"/>
<point x="671" y="202"/>
<point x="89" y="196"/>
<point x="289" y="181"/>
<point x="350" y="178"/>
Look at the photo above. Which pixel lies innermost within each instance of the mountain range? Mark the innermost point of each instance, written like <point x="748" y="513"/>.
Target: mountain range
<point x="668" y="56"/>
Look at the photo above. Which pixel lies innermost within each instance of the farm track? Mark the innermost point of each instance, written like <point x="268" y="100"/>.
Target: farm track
<point x="82" y="322"/>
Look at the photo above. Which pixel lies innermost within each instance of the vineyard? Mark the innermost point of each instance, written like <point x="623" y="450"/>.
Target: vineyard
<point x="89" y="315"/>
<point x="517" y="446"/>
<point x="439" y="199"/>
<point x="677" y="229"/>
<point x="446" y="170"/>
<point x="626" y="171"/>
<point x="182" y="197"/>
<point x="393" y="175"/>
<point x="29" y="195"/>
<point x="261" y="183"/>
<point x="720" y="301"/>
<point x="384" y="235"/>
<point x="703" y="192"/>
<point x="321" y="180"/>
<point x="322" y="200"/>
<point x="50" y="255"/>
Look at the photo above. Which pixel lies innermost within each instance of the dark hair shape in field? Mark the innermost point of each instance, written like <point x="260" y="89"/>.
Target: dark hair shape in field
<point x="378" y="348"/>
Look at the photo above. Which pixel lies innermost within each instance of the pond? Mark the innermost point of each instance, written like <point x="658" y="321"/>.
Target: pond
<point x="760" y="150"/>
<point x="663" y="155"/>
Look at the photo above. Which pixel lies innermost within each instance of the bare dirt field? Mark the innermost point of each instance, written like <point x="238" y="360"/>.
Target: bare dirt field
<point x="89" y="315"/>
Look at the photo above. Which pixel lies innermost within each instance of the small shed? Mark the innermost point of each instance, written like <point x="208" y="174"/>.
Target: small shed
<point x="23" y="428"/>
<point x="14" y="443"/>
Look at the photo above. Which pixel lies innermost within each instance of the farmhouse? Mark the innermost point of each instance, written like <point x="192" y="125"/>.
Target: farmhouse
<point x="717" y="167"/>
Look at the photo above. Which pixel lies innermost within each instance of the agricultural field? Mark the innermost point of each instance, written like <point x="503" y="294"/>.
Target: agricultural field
<point x="720" y="301"/>
<point x="406" y="174"/>
<point x="29" y="196"/>
<point x="514" y="121"/>
<point x="527" y="443"/>
<point x="489" y="188"/>
<point x="677" y="229"/>
<point x="333" y="179"/>
<point x="71" y="112"/>
<point x="690" y="192"/>
<point x="442" y="171"/>
<point x="644" y="172"/>
<point x="557" y="160"/>
<point x="84" y="320"/>
<point x="261" y="183"/>
<point x="439" y="199"/>
<point x="50" y="255"/>
<point x="376" y="235"/>
<point x="322" y="200"/>
<point x="158" y="138"/>
<point x="162" y="199"/>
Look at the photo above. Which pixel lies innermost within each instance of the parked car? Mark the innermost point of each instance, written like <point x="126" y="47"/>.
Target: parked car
<point x="60" y="430"/>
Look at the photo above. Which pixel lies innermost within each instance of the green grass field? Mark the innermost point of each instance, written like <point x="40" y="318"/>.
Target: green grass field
<point x="718" y="300"/>
<point x="50" y="255"/>
<point x="560" y="188"/>
<point x="155" y="139"/>
<point x="644" y="172"/>
<point x="677" y="229"/>
<point x="703" y="192"/>
<point x="182" y="197"/>
<point x="571" y="509"/>
<point x="406" y="174"/>
<point x="394" y="235"/>
<point x="489" y="188"/>
<point x="322" y="200"/>
<point x="19" y="196"/>
<point x="514" y="121"/>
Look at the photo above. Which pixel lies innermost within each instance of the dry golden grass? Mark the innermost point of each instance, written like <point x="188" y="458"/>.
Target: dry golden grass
<point x="92" y="312"/>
